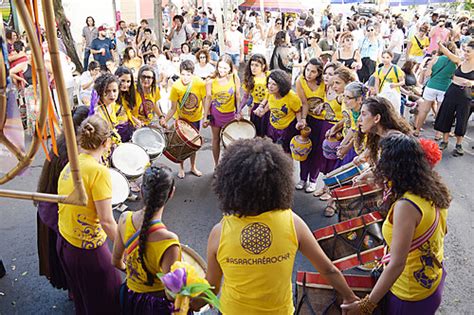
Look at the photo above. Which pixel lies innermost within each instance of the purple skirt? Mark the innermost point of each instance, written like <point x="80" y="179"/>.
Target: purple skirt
<point x="93" y="280"/>
<point x="220" y="119"/>
<point x="134" y="303"/>
<point x="125" y="131"/>
<point x="428" y="306"/>
<point x="283" y="136"/>
<point x="316" y="162"/>
<point x="260" y="123"/>
<point x="347" y="159"/>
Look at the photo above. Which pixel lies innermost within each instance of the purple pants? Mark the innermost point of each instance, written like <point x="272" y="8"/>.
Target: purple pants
<point x="92" y="279"/>
<point x="144" y="303"/>
<point x="260" y="123"/>
<point x="283" y="136"/>
<point x="316" y="162"/>
<point x="428" y="306"/>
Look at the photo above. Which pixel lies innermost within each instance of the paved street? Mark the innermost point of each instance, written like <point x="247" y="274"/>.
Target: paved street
<point x="193" y="212"/>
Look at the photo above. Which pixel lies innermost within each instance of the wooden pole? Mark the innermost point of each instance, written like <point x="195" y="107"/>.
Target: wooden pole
<point x="79" y="193"/>
<point x="158" y="10"/>
<point x="220" y="27"/>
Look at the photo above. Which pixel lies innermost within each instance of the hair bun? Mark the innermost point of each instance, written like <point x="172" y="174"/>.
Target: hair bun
<point x="88" y="129"/>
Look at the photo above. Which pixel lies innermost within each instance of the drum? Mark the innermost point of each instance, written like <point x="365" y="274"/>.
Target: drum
<point x="237" y="129"/>
<point x="130" y="159"/>
<point x="120" y="187"/>
<point x="314" y="295"/>
<point x="343" y="175"/>
<point x="354" y="201"/>
<point x="354" y="242"/>
<point x="150" y="139"/>
<point x="182" y="141"/>
<point x="190" y="256"/>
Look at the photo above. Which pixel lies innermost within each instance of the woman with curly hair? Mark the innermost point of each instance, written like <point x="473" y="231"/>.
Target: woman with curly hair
<point x="284" y="107"/>
<point x="414" y="231"/>
<point x="255" y="90"/>
<point x="221" y="104"/>
<point x="254" y="185"/>
<point x="148" y="246"/>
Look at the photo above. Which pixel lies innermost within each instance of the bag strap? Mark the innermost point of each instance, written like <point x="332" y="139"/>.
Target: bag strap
<point x="186" y="95"/>
<point x="418" y="42"/>
<point x="385" y="78"/>
<point x="416" y="243"/>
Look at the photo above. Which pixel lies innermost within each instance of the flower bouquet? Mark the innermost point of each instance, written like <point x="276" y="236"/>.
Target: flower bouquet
<point x="183" y="283"/>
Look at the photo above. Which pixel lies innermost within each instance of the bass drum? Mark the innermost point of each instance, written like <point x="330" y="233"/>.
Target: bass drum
<point x="182" y="141"/>
<point x="130" y="159"/>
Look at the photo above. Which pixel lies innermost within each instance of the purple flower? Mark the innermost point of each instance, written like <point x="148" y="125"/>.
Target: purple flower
<point x="175" y="280"/>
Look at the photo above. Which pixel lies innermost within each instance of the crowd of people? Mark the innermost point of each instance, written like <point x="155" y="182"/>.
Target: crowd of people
<point x="363" y="84"/>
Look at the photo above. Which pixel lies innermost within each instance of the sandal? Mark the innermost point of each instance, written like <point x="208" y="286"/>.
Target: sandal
<point x="325" y="197"/>
<point x="319" y="192"/>
<point x="416" y="134"/>
<point x="329" y="211"/>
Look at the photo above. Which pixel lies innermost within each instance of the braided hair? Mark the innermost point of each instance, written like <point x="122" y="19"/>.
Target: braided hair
<point x="157" y="186"/>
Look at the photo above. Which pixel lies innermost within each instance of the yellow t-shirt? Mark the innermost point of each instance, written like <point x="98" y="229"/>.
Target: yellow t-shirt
<point x="123" y="112"/>
<point x="391" y="76"/>
<point x="315" y="98"/>
<point x="256" y="255"/>
<point x="421" y="275"/>
<point x="332" y="110"/>
<point x="260" y="91"/>
<point x="283" y="111"/>
<point x="80" y="225"/>
<point x="223" y="96"/>
<point x="144" y="110"/>
<point x="415" y="49"/>
<point x="191" y="111"/>
<point x="134" y="64"/>
<point x="136" y="275"/>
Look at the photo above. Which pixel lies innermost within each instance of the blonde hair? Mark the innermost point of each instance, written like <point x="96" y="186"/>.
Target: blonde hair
<point x="93" y="132"/>
<point x="345" y="74"/>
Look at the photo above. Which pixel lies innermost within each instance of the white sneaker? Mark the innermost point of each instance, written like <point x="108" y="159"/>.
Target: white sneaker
<point x="311" y="187"/>
<point x="300" y="185"/>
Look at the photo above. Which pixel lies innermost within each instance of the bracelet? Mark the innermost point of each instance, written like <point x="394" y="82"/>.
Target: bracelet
<point x="161" y="116"/>
<point x="366" y="306"/>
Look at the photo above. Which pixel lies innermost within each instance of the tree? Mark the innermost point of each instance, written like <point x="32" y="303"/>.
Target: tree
<point x="158" y="21"/>
<point x="64" y="27"/>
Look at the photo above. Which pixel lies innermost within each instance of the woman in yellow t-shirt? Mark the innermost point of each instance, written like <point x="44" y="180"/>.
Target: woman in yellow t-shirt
<point x="418" y="44"/>
<point x="148" y="247"/>
<point x="186" y="97"/>
<point x="83" y="230"/>
<point x="413" y="278"/>
<point x="388" y="80"/>
<point x="222" y="103"/>
<point x="255" y="91"/>
<point x="254" y="246"/>
<point x="125" y="104"/>
<point x="284" y="107"/>
<point x="131" y="60"/>
<point x="147" y="96"/>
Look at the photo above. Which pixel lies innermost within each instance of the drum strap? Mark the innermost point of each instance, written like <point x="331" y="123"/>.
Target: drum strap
<point x="304" y="299"/>
<point x="132" y="242"/>
<point x="186" y="95"/>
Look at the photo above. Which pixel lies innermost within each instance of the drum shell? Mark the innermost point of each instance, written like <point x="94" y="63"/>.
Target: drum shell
<point x="300" y="148"/>
<point x="330" y="149"/>
<point x="118" y="179"/>
<point x="179" y="147"/>
<point x="361" y="202"/>
<point x="343" y="175"/>
<point x="159" y="137"/>
<point x="242" y="122"/>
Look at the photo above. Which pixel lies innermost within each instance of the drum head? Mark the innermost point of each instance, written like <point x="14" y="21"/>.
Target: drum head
<point x="150" y="139"/>
<point x="237" y="129"/>
<point x="192" y="257"/>
<point x="130" y="159"/>
<point x="120" y="187"/>
<point x="188" y="133"/>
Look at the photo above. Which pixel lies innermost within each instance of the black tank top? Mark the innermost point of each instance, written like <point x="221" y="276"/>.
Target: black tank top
<point x="468" y="76"/>
<point x="346" y="62"/>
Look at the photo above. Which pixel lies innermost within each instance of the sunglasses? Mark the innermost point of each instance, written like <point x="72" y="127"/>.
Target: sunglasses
<point x="371" y="30"/>
<point x="278" y="23"/>
<point x="147" y="77"/>
<point x="312" y="37"/>
<point x="233" y="25"/>
<point x="202" y="57"/>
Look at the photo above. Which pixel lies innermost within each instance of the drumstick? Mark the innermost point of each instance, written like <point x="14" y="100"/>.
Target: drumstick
<point x="228" y="136"/>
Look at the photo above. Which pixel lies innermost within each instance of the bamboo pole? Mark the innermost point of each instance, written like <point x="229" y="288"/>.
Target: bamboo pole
<point x="37" y="54"/>
<point x="35" y="196"/>
<point x="78" y="196"/>
<point x="3" y="93"/>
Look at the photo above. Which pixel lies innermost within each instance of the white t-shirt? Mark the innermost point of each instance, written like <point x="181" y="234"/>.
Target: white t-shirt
<point x="86" y="78"/>
<point x="120" y="45"/>
<point x="234" y="40"/>
<point x="204" y="72"/>
<point x="179" y="37"/>
<point x="396" y="41"/>
<point x="65" y="67"/>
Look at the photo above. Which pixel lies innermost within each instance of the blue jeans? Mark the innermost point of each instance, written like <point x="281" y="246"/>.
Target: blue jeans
<point x="87" y="54"/>
<point x="235" y="59"/>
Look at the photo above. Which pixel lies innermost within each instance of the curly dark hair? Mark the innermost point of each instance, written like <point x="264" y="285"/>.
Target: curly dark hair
<point x="319" y="65"/>
<point x="102" y="82"/>
<point x="157" y="187"/>
<point x="403" y="163"/>
<point x="129" y="96"/>
<point x="254" y="176"/>
<point x="389" y="120"/>
<point x="282" y="79"/>
<point x="249" y="81"/>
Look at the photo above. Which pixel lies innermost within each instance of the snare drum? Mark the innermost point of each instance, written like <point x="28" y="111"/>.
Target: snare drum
<point x="343" y="175"/>
<point x="130" y="159"/>
<point x="182" y="141"/>
<point x="354" y="201"/>
<point x="150" y="139"/>
<point x="237" y="129"/>
<point x="120" y="187"/>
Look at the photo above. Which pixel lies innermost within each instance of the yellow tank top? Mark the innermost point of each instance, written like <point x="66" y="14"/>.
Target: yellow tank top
<point x="223" y="96"/>
<point x="136" y="275"/>
<point x="256" y="255"/>
<point x="260" y="91"/>
<point x="421" y="275"/>
<point x="314" y="98"/>
<point x="333" y="111"/>
<point x="80" y="225"/>
<point x="123" y="113"/>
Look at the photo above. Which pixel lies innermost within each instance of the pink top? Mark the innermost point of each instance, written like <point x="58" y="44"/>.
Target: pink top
<point x="438" y="34"/>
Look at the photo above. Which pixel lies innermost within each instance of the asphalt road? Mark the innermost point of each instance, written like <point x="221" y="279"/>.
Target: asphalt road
<point x="193" y="212"/>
